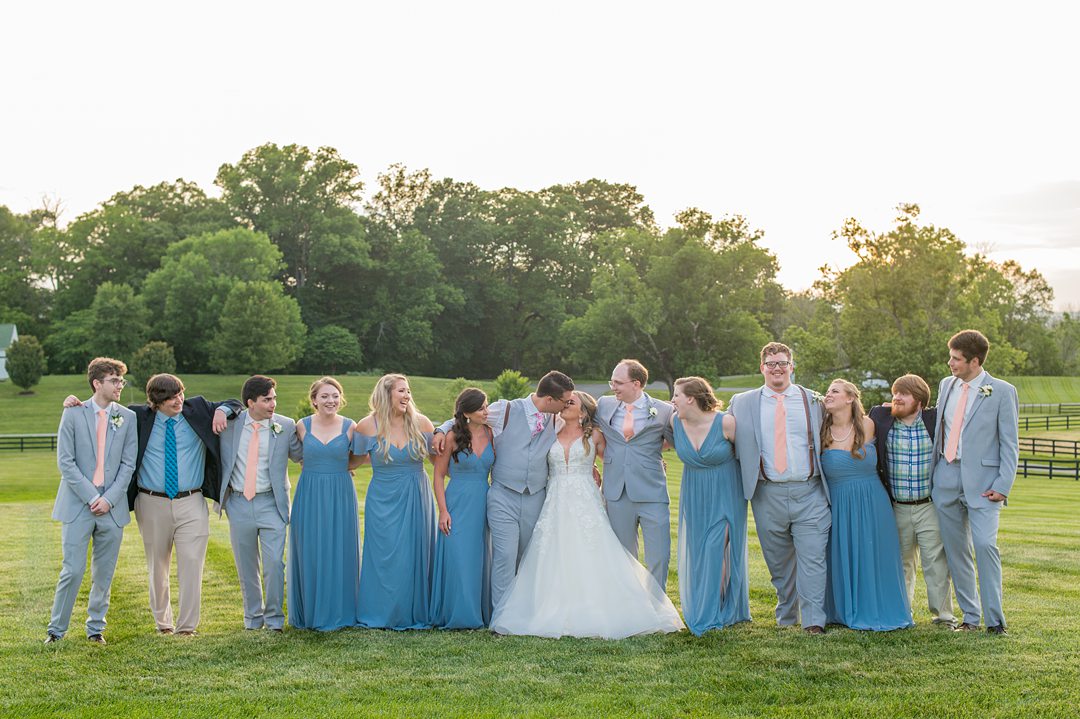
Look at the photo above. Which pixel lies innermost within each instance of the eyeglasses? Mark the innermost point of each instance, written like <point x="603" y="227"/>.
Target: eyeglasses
<point x="613" y="383"/>
<point x="117" y="382"/>
<point x="782" y="364"/>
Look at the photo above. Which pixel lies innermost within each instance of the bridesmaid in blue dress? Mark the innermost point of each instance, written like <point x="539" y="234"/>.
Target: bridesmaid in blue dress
<point x="714" y="587"/>
<point x="324" y="534"/>
<point x="460" y="590"/>
<point x="399" y="512"/>
<point x="866" y="578"/>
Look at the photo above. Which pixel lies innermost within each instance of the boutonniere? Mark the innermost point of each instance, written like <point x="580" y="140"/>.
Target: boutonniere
<point x="275" y="428"/>
<point x="652" y="411"/>
<point x="116" y="421"/>
<point x="986" y="390"/>
<point x="815" y="397"/>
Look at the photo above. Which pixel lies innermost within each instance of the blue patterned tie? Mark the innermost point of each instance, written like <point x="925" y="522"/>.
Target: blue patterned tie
<point x="172" y="482"/>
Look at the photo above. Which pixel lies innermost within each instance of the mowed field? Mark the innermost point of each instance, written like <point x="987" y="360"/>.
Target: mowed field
<point x="753" y="669"/>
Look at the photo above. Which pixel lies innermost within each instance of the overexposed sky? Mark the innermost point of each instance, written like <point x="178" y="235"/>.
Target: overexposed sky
<point x="796" y="115"/>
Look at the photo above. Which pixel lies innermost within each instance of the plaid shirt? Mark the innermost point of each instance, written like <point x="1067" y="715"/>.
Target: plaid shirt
<point x="909" y="454"/>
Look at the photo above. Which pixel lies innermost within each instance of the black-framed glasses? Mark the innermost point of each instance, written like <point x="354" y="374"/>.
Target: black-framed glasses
<point x="781" y="364"/>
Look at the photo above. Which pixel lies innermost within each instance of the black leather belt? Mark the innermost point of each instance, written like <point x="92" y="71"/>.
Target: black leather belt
<point x="179" y="495"/>
<point x="924" y="500"/>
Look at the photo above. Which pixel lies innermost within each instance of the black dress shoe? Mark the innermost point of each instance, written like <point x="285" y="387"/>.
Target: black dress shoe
<point x="814" y="629"/>
<point x="96" y="638"/>
<point x="967" y="627"/>
<point x="999" y="629"/>
<point x="51" y="638"/>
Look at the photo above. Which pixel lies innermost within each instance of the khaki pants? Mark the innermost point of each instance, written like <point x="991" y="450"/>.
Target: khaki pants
<point x="920" y="536"/>
<point x="185" y="523"/>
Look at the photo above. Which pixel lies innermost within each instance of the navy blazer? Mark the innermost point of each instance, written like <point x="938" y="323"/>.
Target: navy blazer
<point x="883" y="422"/>
<point x="199" y="413"/>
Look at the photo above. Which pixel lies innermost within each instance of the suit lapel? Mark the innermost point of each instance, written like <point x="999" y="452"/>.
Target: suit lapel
<point x="611" y="415"/>
<point x="90" y="415"/>
<point x="755" y="416"/>
<point x="978" y="399"/>
<point x="939" y="438"/>
<point x="109" y="431"/>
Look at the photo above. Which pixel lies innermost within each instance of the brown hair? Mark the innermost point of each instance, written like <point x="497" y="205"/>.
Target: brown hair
<point x="469" y="400"/>
<point x="314" y="389"/>
<point x="699" y="390"/>
<point x="970" y="343"/>
<point x="100" y="367"/>
<point x="256" y="386"/>
<point x="857" y="414"/>
<point x="554" y="384"/>
<point x="588" y="419"/>
<point x="776" y="348"/>
<point x="636" y="371"/>
<point x="161" y="387"/>
<point x="914" y="385"/>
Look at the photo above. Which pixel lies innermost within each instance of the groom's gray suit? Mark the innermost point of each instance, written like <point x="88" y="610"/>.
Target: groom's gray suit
<point x="635" y="483"/>
<point x="259" y="523"/>
<point x="76" y="456"/>
<point x="988" y="455"/>
<point x="793" y="518"/>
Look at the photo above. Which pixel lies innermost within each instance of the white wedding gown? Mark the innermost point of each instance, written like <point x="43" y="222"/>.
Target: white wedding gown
<point x="575" y="578"/>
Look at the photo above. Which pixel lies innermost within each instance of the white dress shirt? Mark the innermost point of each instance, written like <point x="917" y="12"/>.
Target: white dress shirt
<point x="798" y="447"/>
<point x="262" y="474"/>
<point x="641" y="413"/>
<point x="950" y="407"/>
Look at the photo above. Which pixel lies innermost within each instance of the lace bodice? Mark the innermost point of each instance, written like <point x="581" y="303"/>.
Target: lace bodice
<point x="580" y="463"/>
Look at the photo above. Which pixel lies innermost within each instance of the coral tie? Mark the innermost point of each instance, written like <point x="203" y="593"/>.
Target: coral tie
<point x="628" y="423"/>
<point x="957" y="424"/>
<point x="99" y="470"/>
<point x="780" y="435"/>
<point x="252" y="466"/>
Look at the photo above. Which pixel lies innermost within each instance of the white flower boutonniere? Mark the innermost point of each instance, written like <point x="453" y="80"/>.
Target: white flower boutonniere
<point x="652" y="411"/>
<point x="986" y="390"/>
<point x="275" y="428"/>
<point x="815" y="397"/>
<point x="116" y="421"/>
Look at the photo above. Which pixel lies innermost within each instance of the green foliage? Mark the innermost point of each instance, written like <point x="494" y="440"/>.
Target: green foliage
<point x="25" y="362"/>
<point x="303" y="408"/>
<point x="69" y="344"/>
<point x="119" y="322"/>
<point x="153" y="358"/>
<point x="510" y="384"/>
<point x="330" y="350"/>
<point x="260" y="330"/>
<point x="23" y="301"/>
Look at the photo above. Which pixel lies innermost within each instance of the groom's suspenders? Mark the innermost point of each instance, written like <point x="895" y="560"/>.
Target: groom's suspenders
<point x="809" y="438"/>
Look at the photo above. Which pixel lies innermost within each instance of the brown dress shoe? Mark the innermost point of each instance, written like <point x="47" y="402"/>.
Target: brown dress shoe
<point x="999" y="629"/>
<point x="187" y="633"/>
<point x="97" y="639"/>
<point x="165" y="630"/>
<point x="814" y="629"/>
<point x="968" y="627"/>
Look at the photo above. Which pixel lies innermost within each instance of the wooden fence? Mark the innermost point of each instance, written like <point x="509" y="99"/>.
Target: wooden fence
<point x="23" y="442"/>
<point x="1051" y="408"/>
<point x="1052" y="468"/>
<point x="1050" y="421"/>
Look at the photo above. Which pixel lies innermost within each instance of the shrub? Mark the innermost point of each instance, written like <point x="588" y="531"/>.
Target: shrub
<point x="25" y="362"/>
<point x="153" y="358"/>
<point x="510" y="385"/>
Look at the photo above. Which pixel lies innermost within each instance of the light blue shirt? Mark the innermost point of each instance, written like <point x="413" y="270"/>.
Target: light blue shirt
<point x="641" y="413"/>
<point x="798" y="447"/>
<point x="190" y="456"/>
<point x="950" y="407"/>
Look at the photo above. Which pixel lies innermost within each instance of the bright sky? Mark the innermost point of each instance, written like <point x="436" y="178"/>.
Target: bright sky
<point x="796" y="115"/>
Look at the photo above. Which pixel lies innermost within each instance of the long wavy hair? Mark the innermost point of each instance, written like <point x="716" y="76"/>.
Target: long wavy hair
<point x="470" y="400"/>
<point x="588" y="418"/>
<point x="380" y="405"/>
<point x="857" y="414"/>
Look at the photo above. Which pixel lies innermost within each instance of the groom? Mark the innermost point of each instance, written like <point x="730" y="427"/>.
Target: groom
<point x="635" y="484"/>
<point x="523" y="431"/>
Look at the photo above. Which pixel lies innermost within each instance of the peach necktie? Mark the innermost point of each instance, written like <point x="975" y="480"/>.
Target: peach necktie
<point x="628" y="423"/>
<point x="780" y="435"/>
<point x="957" y="424"/>
<point x="251" y="469"/>
<point x="102" y="427"/>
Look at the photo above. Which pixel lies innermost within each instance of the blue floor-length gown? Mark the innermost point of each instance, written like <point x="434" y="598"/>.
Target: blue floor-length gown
<point x="866" y="577"/>
<point x="460" y="590"/>
<point x="399" y="539"/>
<point x="324" y="537"/>
<point x="714" y="587"/>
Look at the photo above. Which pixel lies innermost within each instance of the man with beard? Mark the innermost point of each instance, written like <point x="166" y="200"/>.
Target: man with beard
<point x="905" y="448"/>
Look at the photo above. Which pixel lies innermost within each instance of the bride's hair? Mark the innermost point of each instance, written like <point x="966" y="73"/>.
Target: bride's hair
<point x="588" y="416"/>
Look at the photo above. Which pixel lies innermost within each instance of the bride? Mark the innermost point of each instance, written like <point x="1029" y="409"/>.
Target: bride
<point x="575" y="578"/>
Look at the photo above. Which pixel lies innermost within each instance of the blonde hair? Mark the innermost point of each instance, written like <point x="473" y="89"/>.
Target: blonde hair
<point x="857" y="414"/>
<point x="699" y="390"/>
<point x="380" y="406"/>
<point x="588" y="416"/>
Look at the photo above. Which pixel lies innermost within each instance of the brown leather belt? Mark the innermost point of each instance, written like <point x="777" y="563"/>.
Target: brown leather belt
<point x="924" y="500"/>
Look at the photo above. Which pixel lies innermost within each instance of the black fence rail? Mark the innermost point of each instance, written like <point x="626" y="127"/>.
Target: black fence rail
<point x="1051" y="408"/>
<point x="1052" y="468"/>
<point x="23" y="442"/>
<point x="1052" y="447"/>
<point x="1052" y="421"/>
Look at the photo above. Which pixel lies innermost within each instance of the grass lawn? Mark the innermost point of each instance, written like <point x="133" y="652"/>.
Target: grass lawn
<point x="749" y="670"/>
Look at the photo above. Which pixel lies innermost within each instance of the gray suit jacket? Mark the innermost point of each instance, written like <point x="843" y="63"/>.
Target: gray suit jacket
<point x="990" y="439"/>
<point x="635" y="464"/>
<point x="76" y="456"/>
<point x="284" y="445"/>
<point x="746" y="408"/>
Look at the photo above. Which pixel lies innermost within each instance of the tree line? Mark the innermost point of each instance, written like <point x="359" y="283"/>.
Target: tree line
<point x="296" y="268"/>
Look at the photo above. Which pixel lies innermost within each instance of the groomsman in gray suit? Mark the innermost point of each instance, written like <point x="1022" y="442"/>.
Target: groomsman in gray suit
<point x="96" y="449"/>
<point x="778" y="443"/>
<point x="635" y="484"/>
<point x="977" y="451"/>
<point x="523" y="431"/>
<point x="255" y="454"/>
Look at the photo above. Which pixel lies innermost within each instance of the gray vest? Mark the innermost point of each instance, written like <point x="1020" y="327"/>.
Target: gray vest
<point x="521" y="458"/>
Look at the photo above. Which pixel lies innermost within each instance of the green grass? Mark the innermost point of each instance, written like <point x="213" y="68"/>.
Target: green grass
<point x="1042" y="390"/>
<point x="749" y="670"/>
